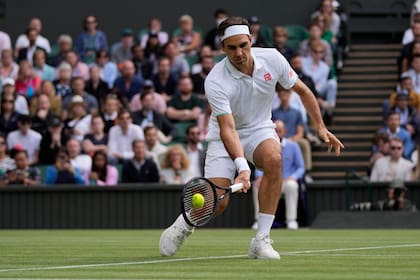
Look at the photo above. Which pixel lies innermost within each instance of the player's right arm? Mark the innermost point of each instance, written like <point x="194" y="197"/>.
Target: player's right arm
<point x="230" y="139"/>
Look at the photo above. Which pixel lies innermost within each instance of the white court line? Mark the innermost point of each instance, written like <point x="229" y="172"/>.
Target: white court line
<point x="201" y="258"/>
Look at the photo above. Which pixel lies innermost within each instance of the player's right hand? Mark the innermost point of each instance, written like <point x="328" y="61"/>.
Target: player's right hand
<point x="244" y="177"/>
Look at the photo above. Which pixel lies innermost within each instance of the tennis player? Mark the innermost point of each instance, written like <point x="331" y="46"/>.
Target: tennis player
<point x="240" y="90"/>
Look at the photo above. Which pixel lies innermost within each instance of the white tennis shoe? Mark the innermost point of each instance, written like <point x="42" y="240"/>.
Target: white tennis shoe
<point x="261" y="248"/>
<point x="173" y="237"/>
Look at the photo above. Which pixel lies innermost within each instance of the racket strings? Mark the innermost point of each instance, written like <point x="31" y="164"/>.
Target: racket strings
<point x="199" y="216"/>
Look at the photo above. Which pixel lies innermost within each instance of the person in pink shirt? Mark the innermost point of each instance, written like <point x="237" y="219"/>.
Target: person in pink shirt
<point x="102" y="173"/>
<point x="27" y="82"/>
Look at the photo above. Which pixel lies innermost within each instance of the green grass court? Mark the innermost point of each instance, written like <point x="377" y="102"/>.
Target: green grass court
<point x="209" y="254"/>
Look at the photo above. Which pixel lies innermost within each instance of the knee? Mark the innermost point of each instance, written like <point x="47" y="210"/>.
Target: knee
<point x="290" y="186"/>
<point x="272" y="164"/>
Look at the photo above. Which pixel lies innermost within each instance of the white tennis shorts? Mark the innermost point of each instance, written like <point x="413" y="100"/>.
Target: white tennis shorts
<point x="218" y="162"/>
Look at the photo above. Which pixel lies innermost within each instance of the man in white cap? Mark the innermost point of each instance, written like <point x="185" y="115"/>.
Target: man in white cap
<point x="8" y="87"/>
<point x="240" y="90"/>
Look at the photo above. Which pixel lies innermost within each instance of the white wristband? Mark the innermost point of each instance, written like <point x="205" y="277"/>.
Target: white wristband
<point x="241" y="164"/>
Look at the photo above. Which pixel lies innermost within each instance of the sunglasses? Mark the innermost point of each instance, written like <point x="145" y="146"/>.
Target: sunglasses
<point x="396" y="148"/>
<point x="7" y="101"/>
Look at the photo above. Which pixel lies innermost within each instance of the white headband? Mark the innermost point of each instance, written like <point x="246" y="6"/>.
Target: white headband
<point x="235" y="30"/>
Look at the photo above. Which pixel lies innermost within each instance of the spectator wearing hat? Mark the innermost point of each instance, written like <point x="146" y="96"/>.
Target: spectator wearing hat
<point x="52" y="141"/>
<point x="188" y="40"/>
<point x="8" y="88"/>
<point x="78" y="89"/>
<point x="78" y="123"/>
<point x="159" y="104"/>
<point x="155" y="29"/>
<point x="394" y="166"/>
<point x="26" y="137"/>
<point x="65" y="44"/>
<point x="257" y="40"/>
<point x="90" y="40"/>
<point x="121" y="51"/>
<point x="409" y="116"/>
<point x="9" y="68"/>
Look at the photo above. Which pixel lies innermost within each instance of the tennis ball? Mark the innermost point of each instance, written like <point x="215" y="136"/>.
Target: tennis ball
<point x="197" y="200"/>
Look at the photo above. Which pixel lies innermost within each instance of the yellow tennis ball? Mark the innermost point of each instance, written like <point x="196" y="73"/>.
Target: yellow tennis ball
<point x="197" y="200"/>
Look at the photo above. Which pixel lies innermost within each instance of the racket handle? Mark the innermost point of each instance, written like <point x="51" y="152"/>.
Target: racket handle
<point x="236" y="187"/>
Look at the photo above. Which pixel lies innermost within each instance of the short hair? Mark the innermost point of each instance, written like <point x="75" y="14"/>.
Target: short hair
<point x="123" y="111"/>
<point x="229" y="22"/>
<point x="135" y="141"/>
<point x="280" y="30"/>
<point x="219" y="11"/>
<point x="149" y="127"/>
<point x="191" y="126"/>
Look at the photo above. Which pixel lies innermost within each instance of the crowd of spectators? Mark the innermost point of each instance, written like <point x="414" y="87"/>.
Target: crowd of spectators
<point x="87" y="111"/>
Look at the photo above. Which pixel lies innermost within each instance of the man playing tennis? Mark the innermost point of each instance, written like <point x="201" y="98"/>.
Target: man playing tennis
<point x="240" y="90"/>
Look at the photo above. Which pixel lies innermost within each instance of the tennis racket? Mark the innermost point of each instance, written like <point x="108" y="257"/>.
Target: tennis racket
<point x="201" y="216"/>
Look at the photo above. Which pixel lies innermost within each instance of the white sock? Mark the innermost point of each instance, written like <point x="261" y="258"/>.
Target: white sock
<point x="186" y="225"/>
<point x="265" y="221"/>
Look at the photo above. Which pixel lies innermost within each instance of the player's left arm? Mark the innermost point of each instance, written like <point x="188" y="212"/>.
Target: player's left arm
<point x="312" y="107"/>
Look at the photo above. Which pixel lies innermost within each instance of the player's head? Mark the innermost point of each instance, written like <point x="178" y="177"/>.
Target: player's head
<point x="235" y="40"/>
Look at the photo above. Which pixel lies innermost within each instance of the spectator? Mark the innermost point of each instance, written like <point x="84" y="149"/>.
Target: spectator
<point x="414" y="73"/>
<point x="77" y="159"/>
<point x="90" y="40"/>
<point x="55" y="103"/>
<point x="27" y="82"/>
<point x="394" y="166"/>
<point x="189" y="40"/>
<point x="96" y="140"/>
<point x="393" y="129"/>
<point x="65" y="44"/>
<point x="204" y="52"/>
<point x="53" y="140"/>
<point x="128" y="83"/>
<point x="41" y="68"/>
<point x="212" y="39"/>
<point x="195" y="150"/>
<point x="332" y="19"/>
<point x="153" y="49"/>
<point x="406" y="87"/>
<point x="43" y="114"/>
<point x="296" y="63"/>
<point x="295" y="128"/>
<point x="42" y="42"/>
<point x="258" y="39"/>
<point x="185" y="107"/>
<point x="26" y="137"/>
<point x="206" y="64"/>
<point x="6" y="163"/>
<point x="102" y="173"/>
<point x="96" y="86"/>
<point x="155" y="28"/>
<point x="121" y="51"/>
<point x="164" y="81"/>
<point x="140" y="169"/>
<point x="23" y="174"/>
<point x="121" y="137"/>
<point x="78" y="123"/>
<point x="326" y="32"/>
<point x="381" y="143"/>
<point x="63" y="172"/>
<point x="176" y="167"/>
<point x="179" y="65"/>
<point x="154" y="147"/>
<point x="8" y="67"/>
<point x="8" y="89"/>
<point x="406" y="53"/>
<point x="158" y="104"/>
<point x="110" y="111"/>
<point x="293" y="171"/>
<point x="78" y="89"/>
<point x="27" y="52"/>
<point x="319" y="71"/>
<point x="280" y="35"/>
<point x="108" y="69"/>
<point x="396" y="198"/>
<point x="149" y="116"/>
<point x="305" y="46"/>
<point x="407" y="62"/>
<point x="144" y="66"/>
<point x="8" y="115"/>
<point x="63" y="82"/>
<point x="5" y="42"/>
<point x="79" y="68"/>
<point x="409" y="116"/>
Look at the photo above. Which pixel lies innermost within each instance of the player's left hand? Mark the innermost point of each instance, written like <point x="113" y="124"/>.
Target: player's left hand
<point x="332" y="141"/>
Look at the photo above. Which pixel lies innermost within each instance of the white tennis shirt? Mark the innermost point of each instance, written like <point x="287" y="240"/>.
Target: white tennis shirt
<point x="248" y="99"/>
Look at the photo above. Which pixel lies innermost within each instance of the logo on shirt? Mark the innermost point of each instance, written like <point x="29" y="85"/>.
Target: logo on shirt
<point x="290" y="73"/>
<point x="267" y="77"/>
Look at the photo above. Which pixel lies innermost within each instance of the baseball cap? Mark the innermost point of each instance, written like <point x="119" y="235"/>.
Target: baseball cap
<point x="8" y="82"/>
<point x="77" y="99"/>
<point x="126" y="32"/>
<point x="254" y="20"/>
<point x="405" y="75"/>
<point x="54" y="121"/>
<point x="402" y="96"/>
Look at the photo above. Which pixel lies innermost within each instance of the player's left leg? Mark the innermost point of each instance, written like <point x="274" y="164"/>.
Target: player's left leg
<point x="267" y="156"/>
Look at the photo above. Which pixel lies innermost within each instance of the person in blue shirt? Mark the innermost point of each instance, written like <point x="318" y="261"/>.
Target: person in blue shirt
<point x="293" y="172"/>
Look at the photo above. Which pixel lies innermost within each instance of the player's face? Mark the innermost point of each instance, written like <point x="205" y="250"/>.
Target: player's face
<point x="238" y="51"/>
